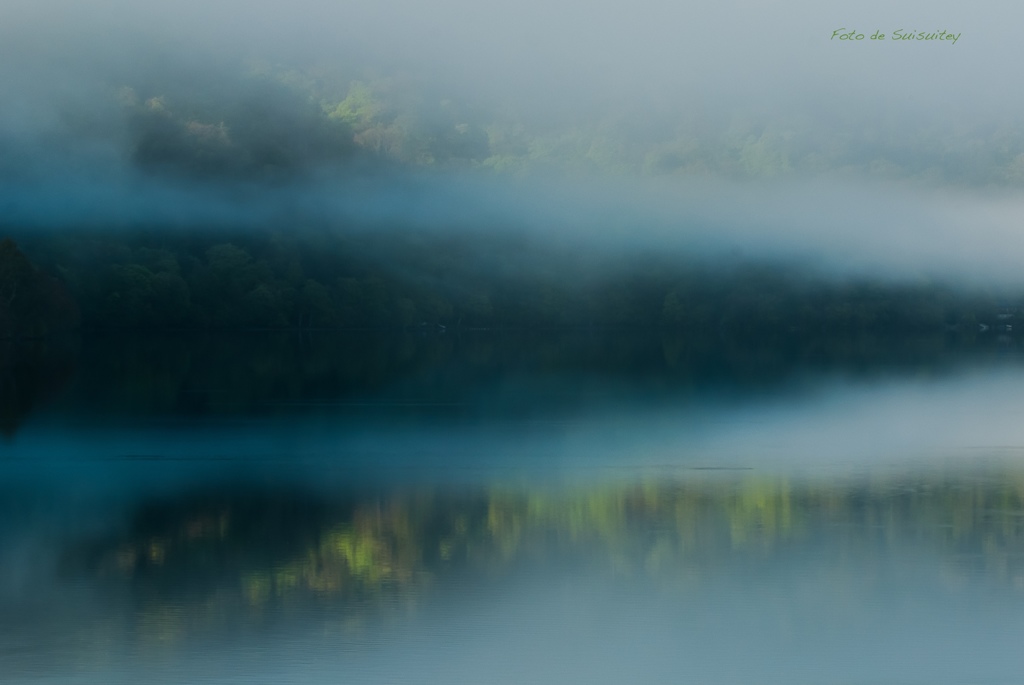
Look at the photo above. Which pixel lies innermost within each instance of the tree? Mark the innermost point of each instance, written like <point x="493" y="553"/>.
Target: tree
<point x="32" y="304"/>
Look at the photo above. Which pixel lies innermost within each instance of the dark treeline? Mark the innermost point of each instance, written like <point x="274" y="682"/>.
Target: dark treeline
<point x="397" y="279"/>
<point x="449" y="377"/>
<point x="32" y="302"/>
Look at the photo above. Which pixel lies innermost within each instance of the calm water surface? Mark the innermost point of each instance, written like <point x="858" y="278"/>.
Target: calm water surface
<point x="499" y="508"/>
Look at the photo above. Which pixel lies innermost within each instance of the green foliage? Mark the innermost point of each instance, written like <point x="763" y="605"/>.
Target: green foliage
<point x="360" y="109"/>
<point x="277" y="122"/>
<point x="252" y="127"/>
<point x="288" y="548"/>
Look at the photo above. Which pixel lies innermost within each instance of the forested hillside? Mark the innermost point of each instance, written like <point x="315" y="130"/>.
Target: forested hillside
<point x="191" y="158"/>
<point x="266" y="118"/>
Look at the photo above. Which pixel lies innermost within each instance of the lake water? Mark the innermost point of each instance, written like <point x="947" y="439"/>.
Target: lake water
<point x="490" y="507"/>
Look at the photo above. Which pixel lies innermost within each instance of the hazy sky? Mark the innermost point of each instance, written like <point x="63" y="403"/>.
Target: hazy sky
<point x="727" y="53"/>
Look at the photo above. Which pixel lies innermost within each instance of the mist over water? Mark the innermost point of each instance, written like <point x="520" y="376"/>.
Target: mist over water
<point x="491" y="406"/>
<point x="547" y="342"/>
<point x="72" y="150"/>
<point x="832" y="229"/>
<point x="506" y="510"/>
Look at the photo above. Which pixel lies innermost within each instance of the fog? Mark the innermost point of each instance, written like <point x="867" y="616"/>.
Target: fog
<point x="488" y="341"/>
<point x="737" y="53"/>
<point x="70" y="152"/>
<point x="842" y="230"/>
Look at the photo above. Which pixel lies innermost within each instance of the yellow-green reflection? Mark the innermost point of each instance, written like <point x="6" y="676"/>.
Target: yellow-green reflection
<point x="274" y="548"/>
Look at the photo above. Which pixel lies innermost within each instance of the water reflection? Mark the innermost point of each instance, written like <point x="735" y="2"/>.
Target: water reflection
<point x="269" y="546"/>
<point x="508" y="509"/>
<point x="372" y="575"/>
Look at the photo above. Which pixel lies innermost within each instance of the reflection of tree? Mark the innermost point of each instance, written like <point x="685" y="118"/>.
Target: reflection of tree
<point x="254" y="373"/>
<point x="277" y="549"/>
<point x="30" y="374"/>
